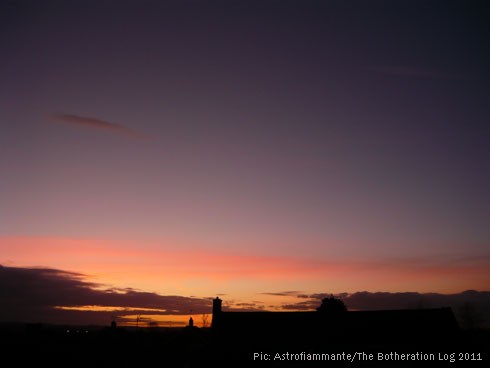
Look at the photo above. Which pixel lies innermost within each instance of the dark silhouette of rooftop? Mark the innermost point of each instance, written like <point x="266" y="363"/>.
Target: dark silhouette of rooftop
<point x="332" y="322"/>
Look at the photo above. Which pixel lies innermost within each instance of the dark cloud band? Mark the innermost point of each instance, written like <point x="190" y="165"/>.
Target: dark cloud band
<point x="35" y="295"/>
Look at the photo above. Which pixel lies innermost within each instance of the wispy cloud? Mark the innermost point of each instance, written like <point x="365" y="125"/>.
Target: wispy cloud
<point x="94" y="123"/>
<point x="283" y="293"/>
<point x="244" y="307"/>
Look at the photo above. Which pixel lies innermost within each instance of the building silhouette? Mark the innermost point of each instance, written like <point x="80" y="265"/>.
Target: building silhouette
<point x="333" y="323"/>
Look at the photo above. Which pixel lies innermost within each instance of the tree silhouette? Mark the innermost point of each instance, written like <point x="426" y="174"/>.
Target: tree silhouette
<point x="332" y="306"/>
<point x="205" y="318"/>
<point x="469" y="316"/>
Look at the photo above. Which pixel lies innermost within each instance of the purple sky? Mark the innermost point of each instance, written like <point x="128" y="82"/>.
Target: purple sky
<point x="323" y="129"/>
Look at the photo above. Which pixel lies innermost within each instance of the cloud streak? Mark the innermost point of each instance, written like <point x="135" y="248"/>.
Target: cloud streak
<point x="416" y="72"/>
<point x="283" y="293"/>
<point x="94" y="123"/>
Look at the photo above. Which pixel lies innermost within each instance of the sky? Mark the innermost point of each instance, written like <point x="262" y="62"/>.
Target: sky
<point x="258" y="150"/>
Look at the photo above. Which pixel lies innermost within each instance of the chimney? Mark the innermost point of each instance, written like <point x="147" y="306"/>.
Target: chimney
<point x="217" y="305"/>
<point x="215" y="322"/>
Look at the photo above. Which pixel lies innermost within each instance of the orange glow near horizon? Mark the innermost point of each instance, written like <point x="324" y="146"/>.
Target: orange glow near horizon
<point x="102" y="308"/>
<point x="134" y="319"/>
<point x="162" y="320"/>
<point x="195" y="272"/>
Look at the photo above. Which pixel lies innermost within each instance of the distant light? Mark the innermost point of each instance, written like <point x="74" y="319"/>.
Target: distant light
<point x="67" y="331"/>
<point x="86" y="331"/>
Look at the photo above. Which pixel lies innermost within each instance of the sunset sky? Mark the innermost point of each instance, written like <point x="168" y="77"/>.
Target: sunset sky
<point x="266" y="151"/>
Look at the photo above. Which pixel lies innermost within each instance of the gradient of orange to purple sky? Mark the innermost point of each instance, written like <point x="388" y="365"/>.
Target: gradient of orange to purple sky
<point x="260" y="149"/>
